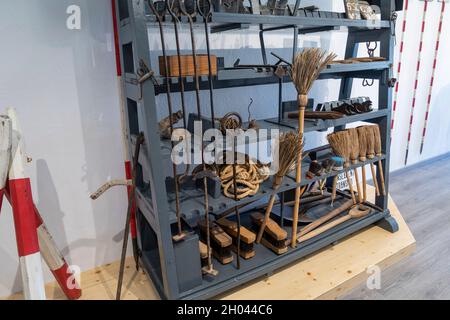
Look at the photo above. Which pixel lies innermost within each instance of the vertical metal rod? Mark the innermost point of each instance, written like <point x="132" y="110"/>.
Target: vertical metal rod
<point x="280" y="99"/>
<point x="139" y="142"/>
<point x="159" y="17"/>
<point x="199" y="116"/>
<point x="236" y="210"/>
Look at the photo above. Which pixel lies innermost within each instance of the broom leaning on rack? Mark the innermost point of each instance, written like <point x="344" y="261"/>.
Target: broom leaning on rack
<point x="305" y="70"/>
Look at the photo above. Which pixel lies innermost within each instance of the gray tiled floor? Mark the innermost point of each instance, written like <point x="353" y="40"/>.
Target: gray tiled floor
<point x="422" y="193"/>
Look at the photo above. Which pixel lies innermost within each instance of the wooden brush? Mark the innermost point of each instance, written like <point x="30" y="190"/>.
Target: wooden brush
<point x="340" y="143"/>
<point x="306" y="68"/>
<point x="362" y="139"/>
<point x="370" y="139"/>
<point x="379" y="153"/>
<point x="354" y="155"/>
<point x="290" y="145"/>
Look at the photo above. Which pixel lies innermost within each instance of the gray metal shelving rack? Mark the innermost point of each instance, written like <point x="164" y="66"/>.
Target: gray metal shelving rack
<point x="174" y="267"/>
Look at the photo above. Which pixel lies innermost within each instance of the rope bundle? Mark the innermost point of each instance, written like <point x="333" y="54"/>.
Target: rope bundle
<point x="248" y="178"/>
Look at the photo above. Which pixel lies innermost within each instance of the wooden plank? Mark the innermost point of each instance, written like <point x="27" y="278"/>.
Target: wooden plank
<point x="327" y="274"/>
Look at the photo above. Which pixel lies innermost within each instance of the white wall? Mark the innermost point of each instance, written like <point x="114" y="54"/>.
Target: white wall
<point x="63" y="85"/>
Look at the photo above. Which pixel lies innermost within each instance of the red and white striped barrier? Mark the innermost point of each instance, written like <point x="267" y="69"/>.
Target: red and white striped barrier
<point x="33" y="238"/>
<point x="123" y="119"/>
<point x="430" y="91"/>
<point x="416" y="81"/>
<point x="55" y="261"/>
<point x="399" y="66"/>
<point x="24" y="220"/>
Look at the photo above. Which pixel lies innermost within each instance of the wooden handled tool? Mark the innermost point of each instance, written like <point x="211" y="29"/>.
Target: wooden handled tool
<point x="306" y="68"/>
<point x="355" y="213"/>
<point x="370" y="138"/>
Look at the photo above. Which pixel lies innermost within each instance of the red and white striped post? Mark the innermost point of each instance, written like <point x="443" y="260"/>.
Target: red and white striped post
<point x="55" y="261"/>
<point x="123" y="121"/>
<point x="399" y="66"/>
<point x="416" y="81"/>
<point x="21" y="199"/>
<point x="5" y="153"/>
<point x="430" y="91"/>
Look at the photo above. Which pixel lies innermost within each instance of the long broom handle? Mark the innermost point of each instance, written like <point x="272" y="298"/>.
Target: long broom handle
<point x="358" y="187"/>
<point x="383" y="184"/>
<point x="364" y="182"/>
<point x="430" y="91"/>
<point x="416" y="82"/>
<point x="326" y="227"/>
<point x="374" y="178"/>
<point x="302" y="101"/>
<point x="399" y="67"/>
<point x="266" y="218"/>
<point x="317" y="223"/>
<point x="350" y="185"/>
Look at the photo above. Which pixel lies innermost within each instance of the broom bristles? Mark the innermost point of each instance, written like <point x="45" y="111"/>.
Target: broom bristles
<point x="354" y="145"/>
<point x="377" y="140"/>
<point x="370" y="138"/>
<point x="340" y="143"/>
<point x="362" y="143"/>
<point x="307" y="67"/>
<point x="289" y="148"/>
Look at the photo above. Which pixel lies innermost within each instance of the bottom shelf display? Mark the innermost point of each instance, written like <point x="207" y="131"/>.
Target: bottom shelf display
<point x="320" y="225"/>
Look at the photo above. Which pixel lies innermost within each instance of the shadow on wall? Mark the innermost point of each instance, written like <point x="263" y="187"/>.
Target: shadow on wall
<point x="438" y="131"/>
<point x="10" y="269"/>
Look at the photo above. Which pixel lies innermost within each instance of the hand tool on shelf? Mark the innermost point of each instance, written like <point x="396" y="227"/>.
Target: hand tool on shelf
<point x="189" y="9"/>
<point x="159" y="9"/>
<point x="362" y="138"/>
<point x="338" y="165"/>
<point x="221" y="242"/>
<point x="289" y="145"/>
<point x="357" y="212"/>
<point x="354" y="154"/>
<point x="370" y="139"/>
<point x="139" y="141"/>
<point x="274" y="237"/>
<point x="247" y="237"/>
<point x="379" y="153"/>
<point x="305" y="70"/>
<point x="341" y="145"/>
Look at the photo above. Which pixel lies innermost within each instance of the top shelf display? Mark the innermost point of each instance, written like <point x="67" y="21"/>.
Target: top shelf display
<point x="308" y="20"/>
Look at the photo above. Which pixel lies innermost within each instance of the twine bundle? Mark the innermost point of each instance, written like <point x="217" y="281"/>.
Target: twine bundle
<point x="341" y="145"/>
<point x="363" y="157"/>
<point x="306" y="68"/>
<point x="354" y="155"/>
<point x="379" y="153"/>
<point x="290" y="145"/>
<point x="248" y="178"/>
<point x="370" y="138"/>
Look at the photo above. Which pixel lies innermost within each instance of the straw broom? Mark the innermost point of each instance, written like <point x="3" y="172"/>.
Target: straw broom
<point x="370" y="138"/>
<point x="354" y="153"/>
<point x="379" y="153"/>
<point x="306" y="68"/>
<point x="340" y="143"/>
<point x="362" y="139"/>
<point x="290" y="145"/>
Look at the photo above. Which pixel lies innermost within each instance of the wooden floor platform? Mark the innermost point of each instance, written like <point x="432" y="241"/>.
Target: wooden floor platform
<point x="327" y="274"/>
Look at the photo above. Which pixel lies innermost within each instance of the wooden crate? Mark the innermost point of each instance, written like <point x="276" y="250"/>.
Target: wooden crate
<point x="187" y="65"/>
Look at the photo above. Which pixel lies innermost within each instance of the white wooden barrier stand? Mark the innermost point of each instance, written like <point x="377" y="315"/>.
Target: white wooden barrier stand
<point x="32" y="235"/>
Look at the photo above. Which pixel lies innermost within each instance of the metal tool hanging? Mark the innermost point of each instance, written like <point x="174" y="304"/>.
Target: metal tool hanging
<point x="416" y="81"/>
<point x="159" y="9"/>
<point x="371" y="54"/>
<point x="189" y="9"/>
<point x="430" y="91"/>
